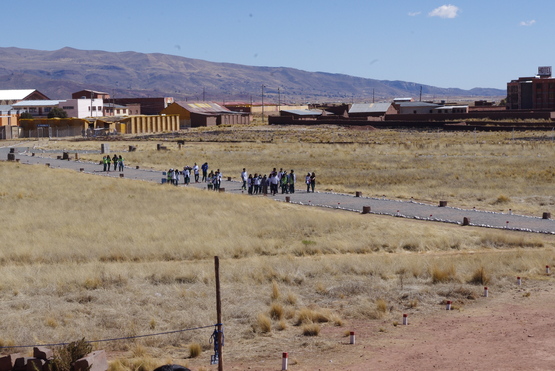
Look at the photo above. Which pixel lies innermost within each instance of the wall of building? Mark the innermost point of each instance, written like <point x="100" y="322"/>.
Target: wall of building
<point x="151" y="124"/>
<point x="81" y="108"/>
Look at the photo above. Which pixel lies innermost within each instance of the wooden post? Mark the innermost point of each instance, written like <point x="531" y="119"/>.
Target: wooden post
<point x="218" y="312"/>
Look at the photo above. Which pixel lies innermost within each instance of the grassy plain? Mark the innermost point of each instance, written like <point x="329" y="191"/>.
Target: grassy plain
<point x="96" y="257"/>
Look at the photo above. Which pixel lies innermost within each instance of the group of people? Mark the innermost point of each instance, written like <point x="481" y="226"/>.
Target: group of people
<point x="252" y="183"/>
<point x="116" y="161"/>
<point x="214" y="179"/>
<point x="259" y="184"/>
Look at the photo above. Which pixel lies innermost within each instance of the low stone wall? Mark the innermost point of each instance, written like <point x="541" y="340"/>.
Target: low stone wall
<point x="42" y="361"/>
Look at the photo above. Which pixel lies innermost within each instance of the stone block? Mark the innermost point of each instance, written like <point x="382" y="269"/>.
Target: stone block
<point x="20" y="363"/>
<point x="97" y="360"/>
<point x="43" y="353"/>
<point x="7" y="363"/>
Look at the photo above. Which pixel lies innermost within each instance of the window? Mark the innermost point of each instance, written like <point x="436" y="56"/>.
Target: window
<point x="47" y="109"/>
<point x="94" y="108"/>
<point x="67" y="107"/>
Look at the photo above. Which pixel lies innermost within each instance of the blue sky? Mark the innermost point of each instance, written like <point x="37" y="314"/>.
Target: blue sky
<point x="461" y="43"/>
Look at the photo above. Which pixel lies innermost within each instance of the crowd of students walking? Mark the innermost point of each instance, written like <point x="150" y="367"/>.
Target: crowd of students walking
<point x="259" y="184"/>
<point x="254" y="184"/>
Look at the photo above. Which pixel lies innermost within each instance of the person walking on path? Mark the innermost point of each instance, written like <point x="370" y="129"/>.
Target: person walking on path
<point x="196" y="172"/>
<point x="186" y="175"/>
<point x="121" y="165"/>
<point x="307" y="182"/>
<point x="104" y="162"/>
<point x="250" y="184"/>
<point x="313" y="181"/>
<point x="108" y="162"/>
<point x="204" y="169"/>
<point x="115" y="162"/>
<point x="291" y="179"/>
<point x="283" y="183"/>
<point x="244" y="178"/>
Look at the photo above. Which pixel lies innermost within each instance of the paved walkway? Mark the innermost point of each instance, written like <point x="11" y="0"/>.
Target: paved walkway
<point x="404" y="209"/>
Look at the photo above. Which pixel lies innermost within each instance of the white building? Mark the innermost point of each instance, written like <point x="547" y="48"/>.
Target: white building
<point x="79" y="108"/>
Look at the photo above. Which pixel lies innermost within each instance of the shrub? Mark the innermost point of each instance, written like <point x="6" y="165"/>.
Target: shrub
<point x="443" y="275"/>
<point x="65" y="356"/>
<point x="264" y="323"/>
<point x="480" y="277"/>
<point x="311" y="329"/>
<point x="276" y="311"/>
<point x="275" y="291"/>
<point x="194" y="350"/>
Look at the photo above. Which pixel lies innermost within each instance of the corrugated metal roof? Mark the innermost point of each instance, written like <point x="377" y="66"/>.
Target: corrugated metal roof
<point x="304" y="112"/>
<point x="6" y="108"/>
<point x="15" y="94"/>
<point x="418" y="104"/>
<point x="38" y="103"/>
<point x="204" y="107"/>
<point x="369" y="107"/>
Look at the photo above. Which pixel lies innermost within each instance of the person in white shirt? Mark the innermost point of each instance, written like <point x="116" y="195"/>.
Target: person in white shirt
<point x="244" y="178"/>
<point x="196" y="172"/>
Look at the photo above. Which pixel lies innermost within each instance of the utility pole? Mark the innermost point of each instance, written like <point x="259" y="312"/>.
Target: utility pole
<point x="262" y="102"/>
<point x="279" y="100"/>
<point x="218" y="313"/>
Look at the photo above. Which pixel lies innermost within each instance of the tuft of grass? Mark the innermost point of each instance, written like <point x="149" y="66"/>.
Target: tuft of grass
<point x="277" y="311"/>
<point x="307" y="316"/>
<point x="282" y="325"/>
<point x="442" y="275"/>
<point x="264" y="323"/>
<point x="195" y="350"/>
<point x="275" y="291"/>
<point x="502" y="199"/>
<point x="291" y="298"/>
<point x="381" y="306"/>
<point x="311" y="329"/>
<point x="479" y="277"/>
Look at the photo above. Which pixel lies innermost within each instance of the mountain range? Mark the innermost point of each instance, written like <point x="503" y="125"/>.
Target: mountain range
<point x="61" y="72"/>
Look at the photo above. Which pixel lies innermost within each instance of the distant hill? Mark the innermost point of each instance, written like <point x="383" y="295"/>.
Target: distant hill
<point x="61" y="72"/>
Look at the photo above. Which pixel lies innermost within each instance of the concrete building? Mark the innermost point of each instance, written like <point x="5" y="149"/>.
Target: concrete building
<point x="87" y="94"/>
<point x="148" y="106"/>
<point x="197" y="114"/>
<point x="532" y="93"/>
<point x="78" y="108"/>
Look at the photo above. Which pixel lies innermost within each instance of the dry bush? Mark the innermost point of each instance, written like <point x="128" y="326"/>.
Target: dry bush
<point x="275" y="291"/>
<point x="195" y="350"/>
<point x="480" y="277"/>
<point x="381" y="306"/>
<point x="310" y="329"/>
<point x="263" y="323"/>
<point x="307" y="315"/>
<point x="276" y="311"/>
<point x="66" y="355"/>
<point x="442" y="275"/>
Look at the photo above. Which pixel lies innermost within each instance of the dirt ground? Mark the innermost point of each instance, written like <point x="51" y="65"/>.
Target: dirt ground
<point x="513" y="330"/>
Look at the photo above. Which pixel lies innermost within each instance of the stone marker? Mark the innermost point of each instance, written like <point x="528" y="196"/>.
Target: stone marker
<point x="43" y="353"/>
<point x="97" y="361"/>
<point x="365" y="209"/>
<point x="7" y="363"/>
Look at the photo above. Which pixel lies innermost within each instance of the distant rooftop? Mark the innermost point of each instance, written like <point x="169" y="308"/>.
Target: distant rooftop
<point x="16" y="94"/>
<point x="369" y="107"/>
<point x="38" y="103"/>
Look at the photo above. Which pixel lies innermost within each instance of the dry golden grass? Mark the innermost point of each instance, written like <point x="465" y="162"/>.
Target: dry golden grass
<point x="492" y="171"/>
<point x="102" y="258"/>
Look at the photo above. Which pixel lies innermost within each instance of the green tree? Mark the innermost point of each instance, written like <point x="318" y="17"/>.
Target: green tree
<point x="25" y="115"/>
<point x="57" y="112"/>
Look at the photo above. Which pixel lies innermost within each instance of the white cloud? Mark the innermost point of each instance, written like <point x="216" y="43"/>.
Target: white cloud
<point x="445" y="11"/>
<point x="527" y="23"/>
<point x="414" y="14"/>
